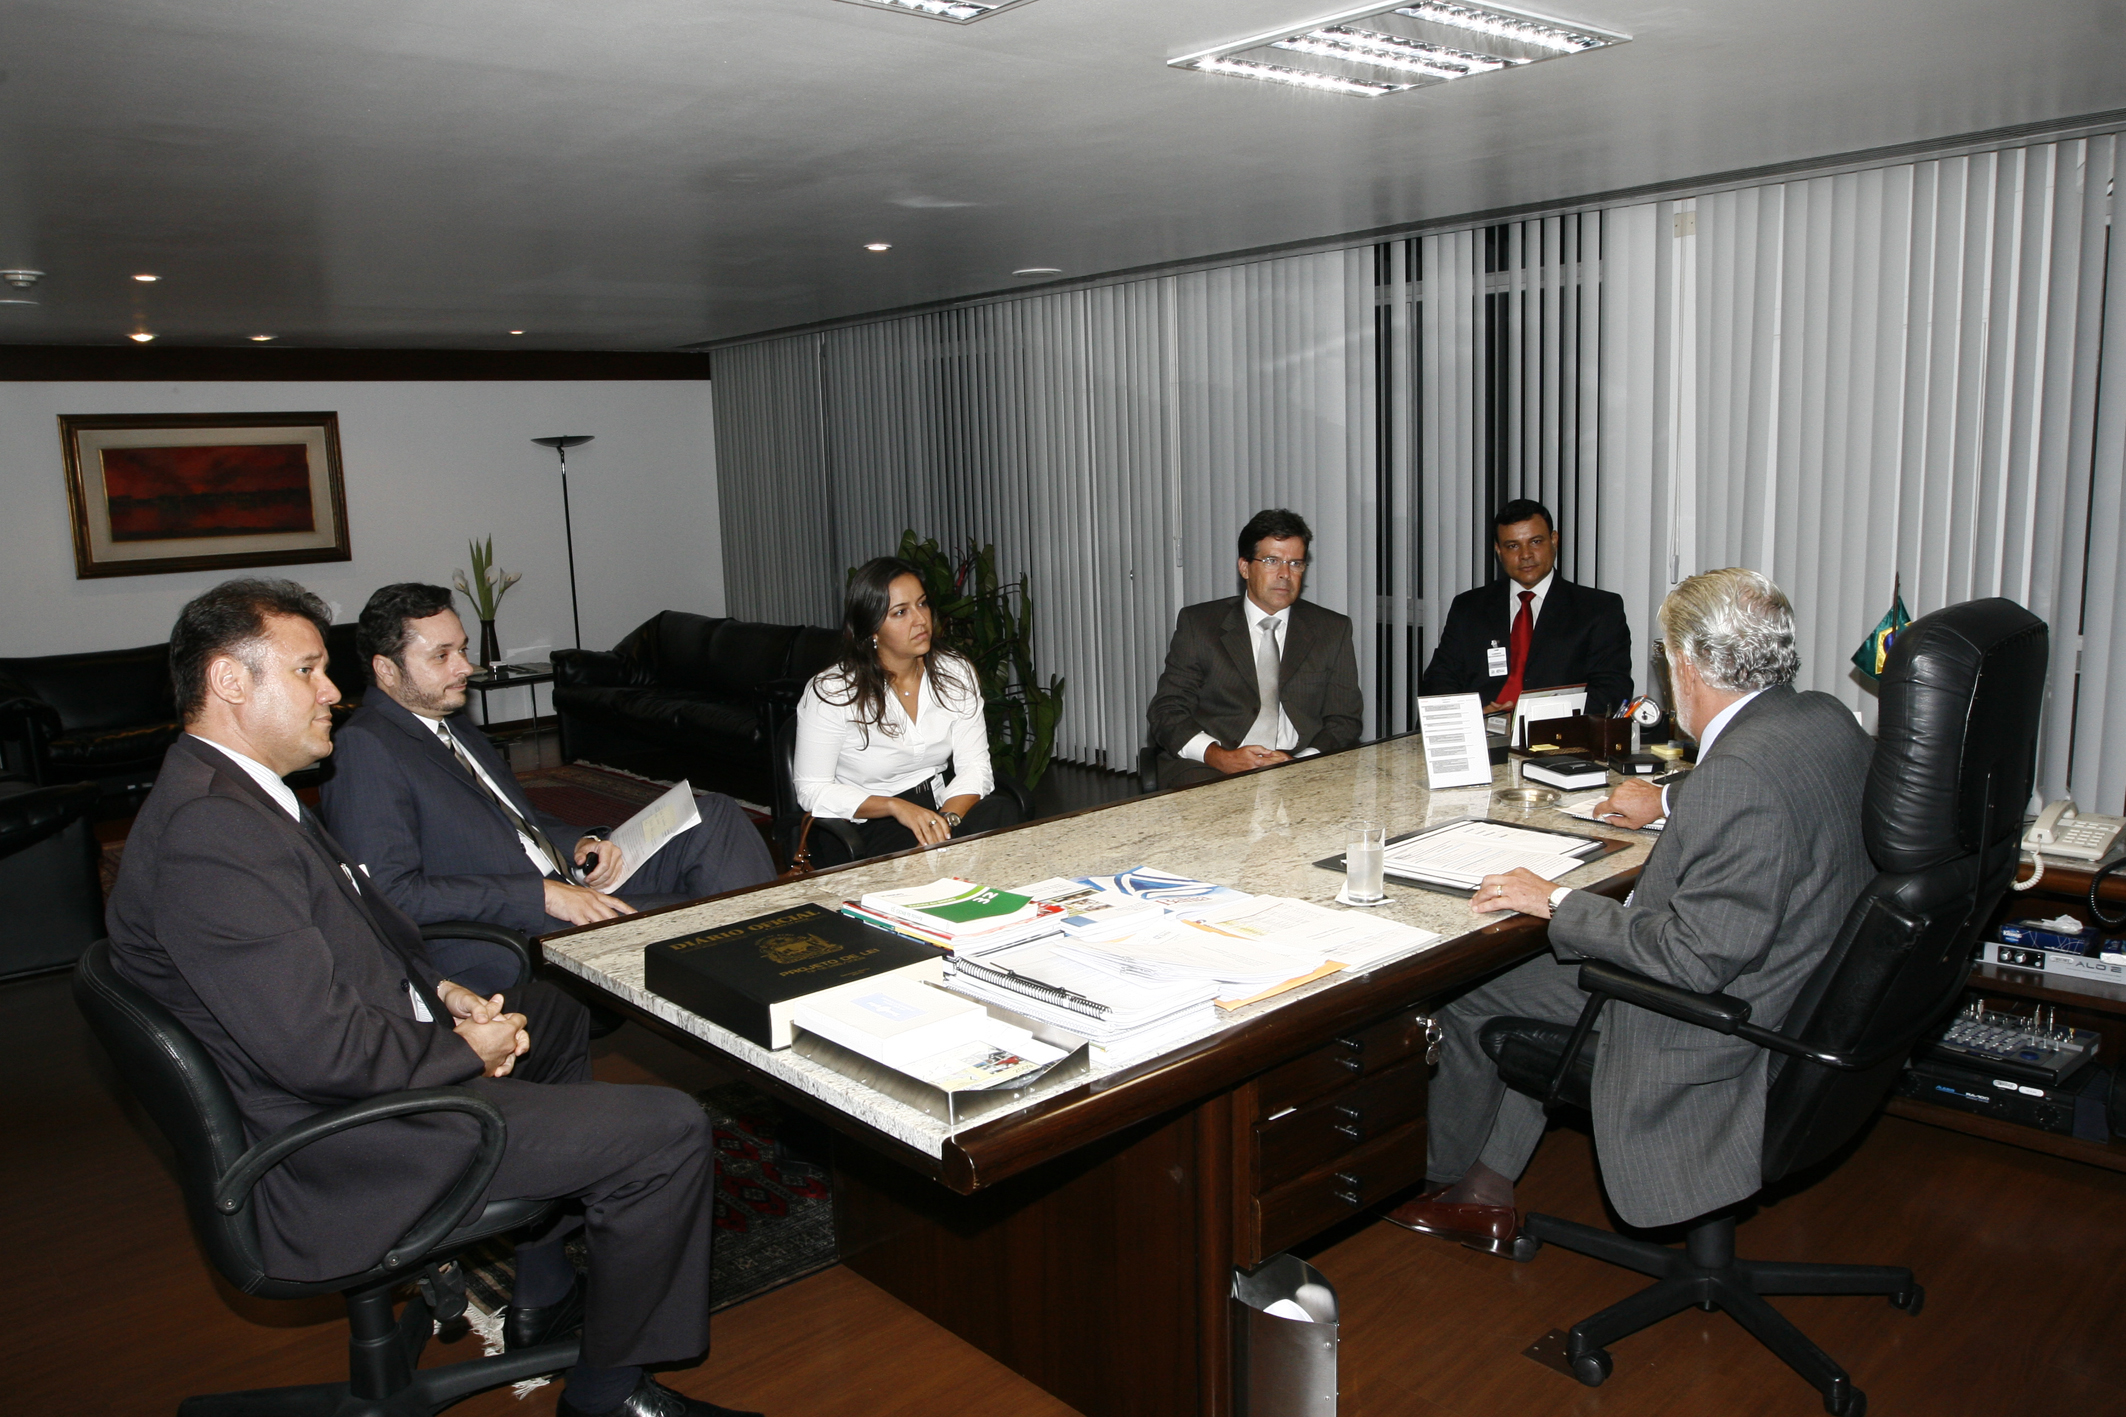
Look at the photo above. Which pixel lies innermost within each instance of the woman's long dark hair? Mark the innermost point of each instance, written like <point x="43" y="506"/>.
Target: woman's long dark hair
<point x="864" y="608"/>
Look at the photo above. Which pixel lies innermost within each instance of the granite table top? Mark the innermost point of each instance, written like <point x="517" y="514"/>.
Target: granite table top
<point x="1260" y="833"/>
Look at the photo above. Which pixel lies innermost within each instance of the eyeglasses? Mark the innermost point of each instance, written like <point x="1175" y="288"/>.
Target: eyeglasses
<point x="1274" y="564"/>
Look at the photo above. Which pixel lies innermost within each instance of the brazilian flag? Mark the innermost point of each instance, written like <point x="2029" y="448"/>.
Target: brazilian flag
<point x="1874" y="651"/>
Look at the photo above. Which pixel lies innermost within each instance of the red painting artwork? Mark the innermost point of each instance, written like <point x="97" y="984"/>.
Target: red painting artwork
<point x="244" y="489"/>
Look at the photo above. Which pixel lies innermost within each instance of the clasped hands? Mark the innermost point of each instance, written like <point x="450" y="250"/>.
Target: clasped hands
<point x="499" y="1037"/>
<point x="588" y="903"/>
<point x="1245" y="758"/>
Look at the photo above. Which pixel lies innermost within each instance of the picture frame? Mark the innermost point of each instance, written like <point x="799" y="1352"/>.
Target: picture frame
<point x="152" y="493"/>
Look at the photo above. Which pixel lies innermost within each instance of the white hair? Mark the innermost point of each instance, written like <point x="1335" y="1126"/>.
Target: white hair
<point x="1735" y="627"/>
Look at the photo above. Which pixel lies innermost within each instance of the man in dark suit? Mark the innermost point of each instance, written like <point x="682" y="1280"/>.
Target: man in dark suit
<point x="1533" y="630"/>
<point x="1258" y="678"/>
<point x="243" y="916"/>
<point x="1744" y="892"/>
<point x="433" y="813"/>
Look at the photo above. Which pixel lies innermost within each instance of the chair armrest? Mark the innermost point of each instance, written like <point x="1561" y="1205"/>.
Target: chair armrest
<point x="1148" y="767"/>
<point x="1016" y="790"/>
<point x="233" y="1192"/>
<point x="512" y="940"/>
<point x="783" y="694"/>
<point x="29" y="817"/>
<point x="598" y="667"/>
<point x="21" y="710"/>
<point x="1722" y="1013"/>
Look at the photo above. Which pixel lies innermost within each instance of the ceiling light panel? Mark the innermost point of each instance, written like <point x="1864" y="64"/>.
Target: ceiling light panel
<point x="958" y="12"/>
<point x="1382" y="50"/>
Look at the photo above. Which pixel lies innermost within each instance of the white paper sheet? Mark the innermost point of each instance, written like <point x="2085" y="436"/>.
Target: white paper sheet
<point x="640" y="836"/>
<point x="1456" y="751"/>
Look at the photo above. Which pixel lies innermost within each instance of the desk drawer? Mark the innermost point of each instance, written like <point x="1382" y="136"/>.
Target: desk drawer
<point x="1305" y="1207"/>
<point x="1338" y="1124"/>
<point x="1333" y="1066"/>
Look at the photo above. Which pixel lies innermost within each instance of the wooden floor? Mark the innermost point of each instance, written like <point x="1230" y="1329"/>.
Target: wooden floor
<point x="110" y="1310"/>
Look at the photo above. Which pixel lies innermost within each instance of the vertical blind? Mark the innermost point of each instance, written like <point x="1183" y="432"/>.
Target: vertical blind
<point x="1895" y="373"/>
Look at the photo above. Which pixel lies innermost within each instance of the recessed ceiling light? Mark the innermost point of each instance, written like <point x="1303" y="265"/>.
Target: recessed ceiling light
<point x="140" y="337"/>
<point x="516" y="332"/>
<point x="959" y="12"/>
<point x="147" y="279"/>
<point x="1382" y="50"/>
<point x="260" y="339"/>
<point x="1039" y="271"/>
<point x="878" y="245"/>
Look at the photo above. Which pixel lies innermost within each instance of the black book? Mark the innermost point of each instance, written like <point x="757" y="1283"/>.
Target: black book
<point x="748" y="975"/>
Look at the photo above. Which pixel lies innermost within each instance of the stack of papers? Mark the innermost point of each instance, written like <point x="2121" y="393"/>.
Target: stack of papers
<point x="950" y="1042"/>
<point x="1351" y="939"/>
<point x="1583" y="807"/>
<point x="1125" y="1019"/>
<point x="1178" y="895"/>
<point x="1235" y="966"/>
<point x="1461" y="854"/>
<point x="958" y="914"/>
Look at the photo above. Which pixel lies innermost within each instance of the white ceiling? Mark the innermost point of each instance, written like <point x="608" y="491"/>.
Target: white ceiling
<point x="646" y="174"/>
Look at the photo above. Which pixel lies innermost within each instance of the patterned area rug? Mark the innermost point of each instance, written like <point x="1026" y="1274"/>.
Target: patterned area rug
<point x="774" y="1205"/>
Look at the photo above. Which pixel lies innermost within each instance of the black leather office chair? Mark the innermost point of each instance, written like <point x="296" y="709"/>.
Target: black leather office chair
<point x="179" y="1085"/>
<point x="1942" y="818"/>
<point x="50" y="875"/>
<point x="787" y="817"/>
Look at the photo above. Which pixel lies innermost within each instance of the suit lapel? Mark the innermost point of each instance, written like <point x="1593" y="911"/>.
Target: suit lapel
<point x="433" y="752"/>
<point x="1239" y="643"/>
<point x="1299" y="640"/>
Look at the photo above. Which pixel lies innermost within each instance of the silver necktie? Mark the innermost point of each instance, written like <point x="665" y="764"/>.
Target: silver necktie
<point x="1263" y="732"/>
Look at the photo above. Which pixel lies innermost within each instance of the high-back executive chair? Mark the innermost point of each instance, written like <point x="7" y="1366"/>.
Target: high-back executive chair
<point x="1942" y="818"/>
<point x="180" y="1087"/>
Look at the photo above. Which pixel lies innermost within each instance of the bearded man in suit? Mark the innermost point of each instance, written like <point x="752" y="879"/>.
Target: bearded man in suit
<point x="237" y="910"/>
<point x="1260" y="678"/>
<point x="1533" y="630"/>
<point x="1743" y="894"/>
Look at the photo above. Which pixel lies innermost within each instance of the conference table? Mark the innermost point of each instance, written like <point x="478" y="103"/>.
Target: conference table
<point x="1087" y="1236"/>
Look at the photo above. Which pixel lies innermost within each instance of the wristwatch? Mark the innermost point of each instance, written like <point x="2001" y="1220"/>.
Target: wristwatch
<point x="952" y="819"/>
<point x="1557" y="896"/>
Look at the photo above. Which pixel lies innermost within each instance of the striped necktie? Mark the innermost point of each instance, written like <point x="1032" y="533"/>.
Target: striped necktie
<point x="528" y="829"/>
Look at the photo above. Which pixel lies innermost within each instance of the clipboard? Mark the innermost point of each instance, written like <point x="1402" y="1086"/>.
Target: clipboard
<point x="1605" y="847"/>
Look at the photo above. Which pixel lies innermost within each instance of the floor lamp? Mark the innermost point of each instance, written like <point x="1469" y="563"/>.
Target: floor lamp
<point x="561" y="445"/>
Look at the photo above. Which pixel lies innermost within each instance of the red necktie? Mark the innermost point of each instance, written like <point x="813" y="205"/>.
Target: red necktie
<point x="1517" y="649"/>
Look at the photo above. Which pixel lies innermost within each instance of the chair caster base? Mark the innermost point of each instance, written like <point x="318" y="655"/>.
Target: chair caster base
<point x="1845" y="1400"/>
<point x="1592" y="1366"/>
<point x="1911" y="1300"/>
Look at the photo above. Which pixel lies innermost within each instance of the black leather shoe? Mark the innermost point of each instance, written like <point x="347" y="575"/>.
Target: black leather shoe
<point x="549" y="1323"/>
<point x="652" y="1399"/>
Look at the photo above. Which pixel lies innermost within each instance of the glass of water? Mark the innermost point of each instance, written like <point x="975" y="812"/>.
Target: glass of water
<point x="1365" y="847"/>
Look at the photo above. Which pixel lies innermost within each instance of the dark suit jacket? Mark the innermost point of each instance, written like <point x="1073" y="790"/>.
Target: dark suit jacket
<point x="1208" y="685"/>
<point x="246" y="929"/>
<point x="1743" y="894"/>
<point x="431" y="837"/>
<point x="1580" y="638"/>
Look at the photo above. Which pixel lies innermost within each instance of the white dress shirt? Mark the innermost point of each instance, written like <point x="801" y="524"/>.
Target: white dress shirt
<point x="1287" y="735"/>
<point x="531" y="848"/>
<point x="839" y="763"/>
<point x="1535" y="606"/>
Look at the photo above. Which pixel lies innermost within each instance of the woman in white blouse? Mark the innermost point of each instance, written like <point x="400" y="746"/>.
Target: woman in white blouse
<point x="877" y="730"/>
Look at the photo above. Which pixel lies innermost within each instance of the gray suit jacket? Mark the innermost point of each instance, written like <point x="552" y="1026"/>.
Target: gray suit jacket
<point x="245" y="928"/>
<point x="430" y="836"/>
<point x="1208" y="685"/>
<point x="1748" y="886"/>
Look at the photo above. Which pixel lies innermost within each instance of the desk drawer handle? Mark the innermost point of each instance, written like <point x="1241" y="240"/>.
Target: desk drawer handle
<point x="1433" y="1034"/>
<point x="1356" y="1047"/>
<point x="1352" y="1189"/>
<point x="1350" y="1126"/>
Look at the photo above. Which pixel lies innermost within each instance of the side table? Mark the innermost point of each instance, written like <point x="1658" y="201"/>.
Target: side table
<point x="511" y="676"/>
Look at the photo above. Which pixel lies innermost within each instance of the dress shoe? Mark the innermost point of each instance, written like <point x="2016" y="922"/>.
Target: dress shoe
<point x="1484" y="1227"/>
<point x="524" y="1327"/>
<point x="652" y="1399"/>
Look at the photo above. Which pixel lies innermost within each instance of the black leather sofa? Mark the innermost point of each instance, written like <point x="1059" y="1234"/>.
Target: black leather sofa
<point x="108" y="716"/>
<point x="50" y="875"/>
<point x="690" y="696"/>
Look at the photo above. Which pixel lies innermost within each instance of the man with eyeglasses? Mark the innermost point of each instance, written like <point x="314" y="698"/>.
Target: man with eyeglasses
<point x="1260" y="678"/>
<point x="1547" y="632"/>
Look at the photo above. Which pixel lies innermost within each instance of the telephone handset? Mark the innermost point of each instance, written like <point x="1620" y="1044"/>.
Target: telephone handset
<point x="2060" y="830"/>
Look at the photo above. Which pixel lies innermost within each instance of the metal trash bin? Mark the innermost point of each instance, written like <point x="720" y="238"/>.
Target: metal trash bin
<point x="1284" y="1341"/>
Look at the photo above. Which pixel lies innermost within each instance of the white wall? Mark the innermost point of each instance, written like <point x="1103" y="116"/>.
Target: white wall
<point x="428" y="466"/>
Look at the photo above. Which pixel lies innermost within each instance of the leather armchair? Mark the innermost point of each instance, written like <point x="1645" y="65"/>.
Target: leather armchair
<point x="179" y="1086"/>
<point x="1942" y="816"/>
<point x="104" y="717"/>
<point x="50" y="875"/>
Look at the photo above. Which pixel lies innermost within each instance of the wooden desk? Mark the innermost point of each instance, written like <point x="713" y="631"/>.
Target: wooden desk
<point x="1088" y="1240"/>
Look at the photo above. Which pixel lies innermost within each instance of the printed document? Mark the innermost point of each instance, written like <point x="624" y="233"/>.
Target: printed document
<point x="642" y="835"/>
<point x="1461" y="855"/>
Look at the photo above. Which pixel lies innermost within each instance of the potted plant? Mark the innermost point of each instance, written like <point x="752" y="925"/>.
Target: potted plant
<point x="489" y="584"/>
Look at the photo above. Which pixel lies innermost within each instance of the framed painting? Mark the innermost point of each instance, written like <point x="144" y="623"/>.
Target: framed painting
<point x="156" y="492"/>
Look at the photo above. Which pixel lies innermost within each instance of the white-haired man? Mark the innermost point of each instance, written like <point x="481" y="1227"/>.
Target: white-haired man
<point x="1743" y="893"/>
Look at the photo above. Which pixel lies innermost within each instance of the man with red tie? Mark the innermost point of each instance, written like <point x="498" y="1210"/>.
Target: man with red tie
<point x="1533" y="630"/>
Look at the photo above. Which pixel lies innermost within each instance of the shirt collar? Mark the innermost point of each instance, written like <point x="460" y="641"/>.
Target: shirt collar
<point x="1720" y="721"/>
<point x="1541" y="589"/>
<point x="262" y="775"/>
<point x="1256" y="614"/>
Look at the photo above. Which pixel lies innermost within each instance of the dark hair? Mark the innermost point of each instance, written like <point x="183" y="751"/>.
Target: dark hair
<point x="864" y="607"/>
<point x="1522" y="509"/>
<point x="382" y="628"/>
<point x="1274" y="524"/>
<point x="231" y="619"/>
